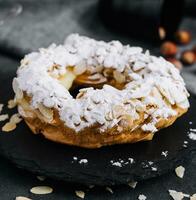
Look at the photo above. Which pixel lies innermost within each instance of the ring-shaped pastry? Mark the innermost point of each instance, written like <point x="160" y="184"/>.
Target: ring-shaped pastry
<point x="126" y="95"/>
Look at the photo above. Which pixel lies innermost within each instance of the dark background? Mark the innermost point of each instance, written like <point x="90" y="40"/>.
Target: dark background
<point x="39" y="24"/>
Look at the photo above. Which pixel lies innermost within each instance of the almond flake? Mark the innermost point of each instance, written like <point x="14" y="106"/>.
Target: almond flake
<point x="11" y="103"/>
<point x="3" y="117"/>
<point x="180" y="171"/>
<point x="109" y="190"/>
<point x="193" y="197"/>
<point x="22" y="198"/>
<point x="80" y="194"/>
<point x="132" y="184"/>
<point x="41" y="190"/>
<point x="15" y="118"/>
<point x="177" y="195"/>
<point x="9" y="127"/>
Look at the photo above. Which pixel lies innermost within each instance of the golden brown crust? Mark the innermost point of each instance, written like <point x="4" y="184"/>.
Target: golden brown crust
<point x="90" y="137"/>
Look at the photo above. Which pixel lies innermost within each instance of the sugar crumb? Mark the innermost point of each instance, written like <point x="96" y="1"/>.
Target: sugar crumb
<point x="132" y="184"/>
<point x="164" y="153"/>
<point x="142" y="197"/>
<point x="83" y="161"/>
<point x="192" y="136"/>
<point x="109" y="190"/>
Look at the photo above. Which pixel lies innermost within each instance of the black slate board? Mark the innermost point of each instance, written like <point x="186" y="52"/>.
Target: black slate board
<point x="40" y="156"/>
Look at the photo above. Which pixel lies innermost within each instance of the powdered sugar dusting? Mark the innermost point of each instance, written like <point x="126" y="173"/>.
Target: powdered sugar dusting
<point x="149" y="80"/>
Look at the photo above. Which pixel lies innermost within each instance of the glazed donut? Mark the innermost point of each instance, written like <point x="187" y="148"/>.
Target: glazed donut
<point x="125" y="95"/>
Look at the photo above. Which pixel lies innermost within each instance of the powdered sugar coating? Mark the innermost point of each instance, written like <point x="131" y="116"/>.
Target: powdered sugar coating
<point x="151" y="78"/>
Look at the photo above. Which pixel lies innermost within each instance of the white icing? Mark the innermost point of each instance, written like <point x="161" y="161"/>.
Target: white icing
<point x="156" y="78"/>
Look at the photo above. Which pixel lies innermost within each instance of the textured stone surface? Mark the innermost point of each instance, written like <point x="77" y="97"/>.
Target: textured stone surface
<point x="39" y="155"/>
<point x="38" y="27"/>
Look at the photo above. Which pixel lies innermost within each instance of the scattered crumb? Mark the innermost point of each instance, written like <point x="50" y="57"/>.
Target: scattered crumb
<point x="177" y="195"/>
<point x="80" y="194"/>
<point x="41" y="178"/>
<point x="193" y="197"/>
<point x="150" y="162"/>
<point x="75" y="158"/>
<point x="11" y="125"/>
<point x="22" y="198"/>
<point x="154" y="168"/>
<point x="83" y="161"/>
<point x="190" y="122"/>
<point x="11" y="103"/>
<point x="109" y="190"/>
<point x="3" y="117"/>
<point x="180" y="171"/>
<point x="164" y="153"/>
<point x="193" y="129"/>
<point x="41" y="190"/>
<point x="192" y="136"/>
<point x="185" y="142"/>
<point x="133" y="184"/>
<point x="142" y="197"/>
<point x="117" y="164"/>
<point x="131" y="160"/>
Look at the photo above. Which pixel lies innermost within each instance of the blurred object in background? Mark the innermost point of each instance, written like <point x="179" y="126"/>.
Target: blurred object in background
<point x="9" y="10"/>
<point x="153" y="20"/>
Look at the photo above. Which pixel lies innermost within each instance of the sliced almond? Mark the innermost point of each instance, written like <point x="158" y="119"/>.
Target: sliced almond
<point x="9" y="127"/>
<point x="177" y="195"/>
<point x="15" y="118"/>
<point x="180" y="171"/>
<point x="46" y="112"/>
<point x="17" y="90"/>
<point x="193" y="197"/>
<point x="80" y="194"/>
<point x="119" y="77"/>
<point x="109" y="116"/>
<point x="3" y="117"/>
<point x="67" y="79"/>
<point x="22" y="198"/>
<point x="41" y="190"/>
<point x="91" y="79"/>
<point x="11" y="103"/>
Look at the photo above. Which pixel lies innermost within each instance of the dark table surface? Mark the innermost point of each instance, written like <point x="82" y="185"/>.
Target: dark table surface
<point x="40" y="24"/>
<point x="15" y="182"/>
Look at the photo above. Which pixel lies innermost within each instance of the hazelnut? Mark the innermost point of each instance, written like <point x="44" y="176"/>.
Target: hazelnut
<point x="175" y="62"/>
<point x="194" y="50"/>
<point x="188" y="57"/>
<point x="183" y="37"/>
<point x="168" y="49"/>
